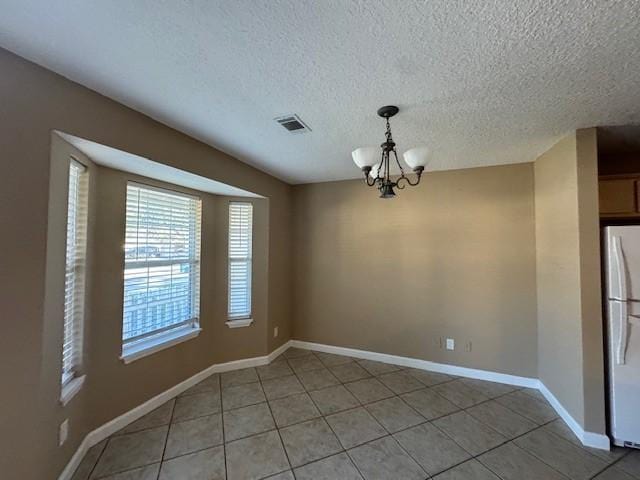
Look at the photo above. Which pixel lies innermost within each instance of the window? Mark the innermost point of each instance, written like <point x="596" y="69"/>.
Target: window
<point x="162" y="265"/>
<point x="240" y="240"/>
<point x="75" y="260"/>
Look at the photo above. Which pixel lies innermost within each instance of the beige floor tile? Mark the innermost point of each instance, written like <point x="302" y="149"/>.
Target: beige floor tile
<point x="470" y="470"/>
<point x="355" y="427"/>
<point x="126" y="452"/>
<point x="572" y="461"/>
<point x="238" y="377"/>
<point x="202" y="465"/>
<point x="157" y="418"/>
<point x="334" y="399"/>
<point x="383" y="459"/>
<point x="459" y="393"/>
<point x="293" y="409"/>
<point x="192" y="435"/>
<point x="369" y="390"/>
<point x="309" y="441"/>
<point x="500" y="418"/>
<point x="431" y="448"/>
<point x="394" y="415"/>
<point x="429" y="404"/>
<point x="469" y="433"/>
<point x="510" y="462"/>
<point x="197" y="405"/>
<point x="247" y="421"/>
<point x="256" y="457"/>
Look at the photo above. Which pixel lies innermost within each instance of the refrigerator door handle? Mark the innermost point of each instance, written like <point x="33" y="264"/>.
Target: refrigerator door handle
<point x="620" y="266"/>
<point x="623" y="333"/>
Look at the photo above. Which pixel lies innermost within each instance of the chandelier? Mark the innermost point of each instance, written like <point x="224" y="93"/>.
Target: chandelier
<point x="376" y="166"/>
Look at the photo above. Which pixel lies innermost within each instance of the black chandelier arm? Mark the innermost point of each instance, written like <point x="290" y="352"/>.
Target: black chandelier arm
<point x="418" y="172"/>
<point x="371" y="182"/>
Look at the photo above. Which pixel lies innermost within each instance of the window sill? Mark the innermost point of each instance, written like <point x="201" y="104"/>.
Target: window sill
<point x="149" y="346"/>
<point x="70" y="389"/>
<point x="243" y="322"/>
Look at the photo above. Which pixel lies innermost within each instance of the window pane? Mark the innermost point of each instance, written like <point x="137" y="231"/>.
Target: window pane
<point x="162" y="261"/>
<point x="240" y="259"/>
<point x="74" y="270"/>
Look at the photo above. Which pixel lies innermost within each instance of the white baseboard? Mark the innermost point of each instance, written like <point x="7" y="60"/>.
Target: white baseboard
<point x="588" y="439"/>
<point x="421" y="364"/>
<point x="96" y="436"/>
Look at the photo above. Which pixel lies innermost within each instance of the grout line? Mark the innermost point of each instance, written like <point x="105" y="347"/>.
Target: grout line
<point x="224" y="443"/>
<point x="284" y="449"/>
<point x="106" y="443"/>
<point x="166" y="439"/>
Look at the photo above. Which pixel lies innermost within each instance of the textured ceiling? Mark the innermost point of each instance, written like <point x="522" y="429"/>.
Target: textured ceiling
<point x="481" y="82"/>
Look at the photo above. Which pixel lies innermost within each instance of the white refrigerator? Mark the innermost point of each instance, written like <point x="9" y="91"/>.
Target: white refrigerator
<point x="623" y="329"/>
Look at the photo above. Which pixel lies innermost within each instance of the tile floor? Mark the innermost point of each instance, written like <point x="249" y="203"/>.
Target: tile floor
<point x="317" y="416"/>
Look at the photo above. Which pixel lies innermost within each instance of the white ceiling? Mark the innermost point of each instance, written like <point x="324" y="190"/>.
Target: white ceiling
<point x="482" y="82"/>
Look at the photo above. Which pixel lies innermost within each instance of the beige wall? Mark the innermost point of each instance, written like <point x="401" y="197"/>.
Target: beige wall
<point x="33" y="102"/>
<point x="568" y="269"/>
<point x="453" y="257"/>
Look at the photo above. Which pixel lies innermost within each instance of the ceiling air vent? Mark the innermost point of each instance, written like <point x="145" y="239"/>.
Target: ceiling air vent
<point x="293" y="123"/>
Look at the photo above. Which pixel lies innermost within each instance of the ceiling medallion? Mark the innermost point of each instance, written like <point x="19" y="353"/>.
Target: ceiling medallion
<point x="376" y="166"/>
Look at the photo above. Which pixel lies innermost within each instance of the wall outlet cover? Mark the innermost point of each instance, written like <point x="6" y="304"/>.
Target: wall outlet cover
<point x="451" y="344"/>
<point x="275" y="332"/>
<point x="63" y="434"/>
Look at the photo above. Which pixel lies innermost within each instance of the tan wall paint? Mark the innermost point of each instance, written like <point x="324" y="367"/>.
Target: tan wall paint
<point x="558" y="269"/>
<point x="33" y="102"/>
<point x="453" y="257"/>
<point x="568" y="269"/>
<point x="590" y="282"/>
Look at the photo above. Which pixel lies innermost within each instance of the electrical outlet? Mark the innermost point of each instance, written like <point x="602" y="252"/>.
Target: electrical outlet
<point x="63" y="434"/>
<point x="275" y="332"/>
<point x="451" y="344"/>
<point x="467" y="346"/>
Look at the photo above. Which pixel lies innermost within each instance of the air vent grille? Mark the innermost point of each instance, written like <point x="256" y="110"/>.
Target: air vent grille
<point x="293" y="123"/>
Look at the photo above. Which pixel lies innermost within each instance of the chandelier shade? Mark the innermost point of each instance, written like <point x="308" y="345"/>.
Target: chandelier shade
<point x="417" y="157"/>
<point x="375" y="162"/>
<point x="366" y="156"/>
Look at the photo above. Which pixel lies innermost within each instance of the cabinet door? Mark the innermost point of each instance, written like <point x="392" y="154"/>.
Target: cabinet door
<point x="617" y="195"/>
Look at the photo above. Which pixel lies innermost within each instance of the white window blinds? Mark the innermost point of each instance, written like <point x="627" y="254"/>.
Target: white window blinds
<point x="75" y="260"/>
<point x="162" y="262"/>
<point x="240" y="246"/>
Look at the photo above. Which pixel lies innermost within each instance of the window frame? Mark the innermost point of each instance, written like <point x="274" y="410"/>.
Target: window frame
<point x="243" y="319"/>
<point x="74" y="302"/>
<point x="169" y="335"/>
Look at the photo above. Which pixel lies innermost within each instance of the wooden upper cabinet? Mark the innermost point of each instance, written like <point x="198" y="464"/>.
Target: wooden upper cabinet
<point x="618" y="196"/>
